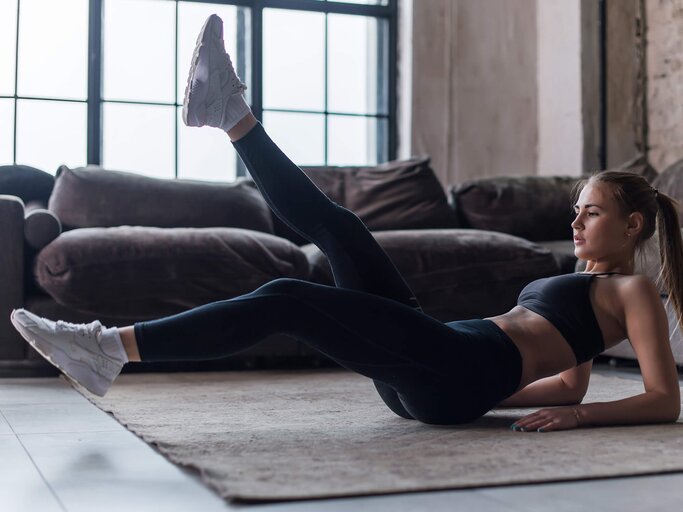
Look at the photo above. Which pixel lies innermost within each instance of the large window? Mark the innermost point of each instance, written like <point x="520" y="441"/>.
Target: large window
<point x="102" y="82"/>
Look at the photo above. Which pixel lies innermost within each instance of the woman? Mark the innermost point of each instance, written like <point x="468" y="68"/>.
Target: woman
<point x="539" y="353"/>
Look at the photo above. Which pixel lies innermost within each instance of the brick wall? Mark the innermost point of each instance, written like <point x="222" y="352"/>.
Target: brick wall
<point x="664" y="21"/>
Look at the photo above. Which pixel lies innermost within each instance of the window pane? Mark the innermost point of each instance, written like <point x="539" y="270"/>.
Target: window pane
<point x="300" y="136"/>
<point x="51" y="133"/>
<point x="293" y="60"/>
<point x="139" y="138"/>
<point x="354" y="140"/>
<point x="139" y="50"/>
<point x="191" y="18"/>
<point x="53" y="49"/>
<point x="6" y="131"/>
<point x="8" y="34"/>
<point x="204" y="154"/>
<point x="354" y="66"/>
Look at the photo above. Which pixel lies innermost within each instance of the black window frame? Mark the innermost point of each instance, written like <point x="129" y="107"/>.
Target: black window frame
<point x="386" y="148"/>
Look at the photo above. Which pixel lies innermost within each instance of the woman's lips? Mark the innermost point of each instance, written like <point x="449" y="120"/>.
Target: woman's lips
<point x="579" y="241"/>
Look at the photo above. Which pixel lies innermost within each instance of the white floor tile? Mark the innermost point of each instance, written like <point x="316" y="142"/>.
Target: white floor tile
<point x="37" y="391"/>
<point x="60" y="417"/>
<point x="114" y="471"/>
<point x="442" y="501"/>
<point x="652" y="493"/>
<point x="22" y="489"/>
<point x="134" y="496"/>
<point x="93" y="456"/>
<point x="5" y="429"/>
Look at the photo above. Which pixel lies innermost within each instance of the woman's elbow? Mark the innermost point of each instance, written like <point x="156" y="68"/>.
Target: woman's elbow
<point x="674" y="413"/>
<point x="669" y="410"/>
<point x="577" y="395"/>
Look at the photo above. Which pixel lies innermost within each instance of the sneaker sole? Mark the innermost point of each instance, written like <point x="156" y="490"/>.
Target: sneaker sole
<point x="34" y="341"/>
<point x="198" y="94"/>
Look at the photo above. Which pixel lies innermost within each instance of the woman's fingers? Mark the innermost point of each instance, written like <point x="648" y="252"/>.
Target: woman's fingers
<point x="545" y="420"/>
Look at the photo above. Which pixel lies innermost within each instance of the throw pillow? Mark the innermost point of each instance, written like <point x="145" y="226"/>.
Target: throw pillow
<point x="640" y="165"/>
<point x="670" y="182"/>
<point x="532" y="207"/>
<point x="402" y="194"/>
<point x="95" y="197"/>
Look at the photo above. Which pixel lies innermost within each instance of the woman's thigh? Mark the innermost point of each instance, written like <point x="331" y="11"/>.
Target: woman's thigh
<point x="442" y="373"/>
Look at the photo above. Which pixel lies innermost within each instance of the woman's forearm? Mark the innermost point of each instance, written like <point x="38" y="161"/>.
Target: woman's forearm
<point x="548" y="391"/>
<point x="648" y="407"/>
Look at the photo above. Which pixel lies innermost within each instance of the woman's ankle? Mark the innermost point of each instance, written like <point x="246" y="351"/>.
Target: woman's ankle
<point x="243" y="127"/>
<point x="130" y="344"/>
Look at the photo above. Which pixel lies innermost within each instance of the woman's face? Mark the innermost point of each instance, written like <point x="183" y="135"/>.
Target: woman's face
<point x="600" y="228"/>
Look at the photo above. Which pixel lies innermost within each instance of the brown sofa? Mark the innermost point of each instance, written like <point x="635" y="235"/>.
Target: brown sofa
<point x="123" y="247"/>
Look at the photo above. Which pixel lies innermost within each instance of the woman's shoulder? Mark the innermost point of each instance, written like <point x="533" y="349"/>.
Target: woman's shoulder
<point x="624" y="292"/>
<point x="636" y="287"/>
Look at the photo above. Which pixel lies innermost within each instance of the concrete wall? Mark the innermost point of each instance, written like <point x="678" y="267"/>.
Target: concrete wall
<point x="474" y="107"/>
<point x="560" y="124"/>
<point x="510" y="87"/>
<point x="625" y="130"/>
<point x="645" y="81"/>
<point x="664" y="71"/>
<point x="500" y="87"/>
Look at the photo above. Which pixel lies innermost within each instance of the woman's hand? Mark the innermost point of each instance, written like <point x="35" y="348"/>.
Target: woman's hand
<point x="545" y="420"/>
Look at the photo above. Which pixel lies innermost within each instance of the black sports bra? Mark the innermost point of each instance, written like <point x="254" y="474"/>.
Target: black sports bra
<point x="565" y="302"/>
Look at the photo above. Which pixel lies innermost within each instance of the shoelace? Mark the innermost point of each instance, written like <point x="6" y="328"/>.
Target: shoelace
<point x="80" y="329"/>
<point x="235" y="79"/>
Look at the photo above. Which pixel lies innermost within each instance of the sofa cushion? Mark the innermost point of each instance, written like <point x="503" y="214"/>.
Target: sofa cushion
<point x="457" y="273"/>
<point x="28" y="183"/>
<point x="140" y="272"/>
<point x="641" y="166"/>
<point x="94" y="197"/>
<point x="532" y="207"/>
<point x="670" y="182"/>
<point x="403" y="194"/>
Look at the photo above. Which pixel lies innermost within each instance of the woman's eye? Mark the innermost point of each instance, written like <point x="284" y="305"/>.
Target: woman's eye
<point x="590" y="214"/>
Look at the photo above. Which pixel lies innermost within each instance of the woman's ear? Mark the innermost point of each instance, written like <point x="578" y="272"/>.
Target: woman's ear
<point x="635" y="223"/>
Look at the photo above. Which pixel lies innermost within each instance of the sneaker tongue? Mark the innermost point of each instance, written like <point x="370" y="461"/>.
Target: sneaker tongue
<point x="91" y="327"/>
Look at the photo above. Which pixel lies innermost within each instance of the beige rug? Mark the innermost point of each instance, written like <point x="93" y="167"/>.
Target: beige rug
<point x="309" y="434"/>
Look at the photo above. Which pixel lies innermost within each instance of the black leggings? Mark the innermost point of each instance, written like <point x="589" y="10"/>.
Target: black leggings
<point x="371" y="323"/>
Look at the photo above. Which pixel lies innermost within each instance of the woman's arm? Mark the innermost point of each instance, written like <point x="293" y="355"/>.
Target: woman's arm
<point x="568" y="387"/>
<point x="647" y="330"/>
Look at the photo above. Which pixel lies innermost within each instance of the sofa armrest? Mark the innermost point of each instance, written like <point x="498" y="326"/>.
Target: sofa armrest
<point x="41" y="226"/>
<point x="11" y="273"/>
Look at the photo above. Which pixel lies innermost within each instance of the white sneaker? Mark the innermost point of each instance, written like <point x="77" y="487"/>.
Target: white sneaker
<point x="213" y="95"/>
<point x="84" y="352"/>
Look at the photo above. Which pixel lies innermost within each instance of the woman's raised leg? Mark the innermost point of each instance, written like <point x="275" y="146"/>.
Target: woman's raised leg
<point x="214" y="97"/>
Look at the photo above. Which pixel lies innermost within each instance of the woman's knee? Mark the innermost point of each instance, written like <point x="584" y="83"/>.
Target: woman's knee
<point x="390" y="397"/>
<point x="444" y="408"/>
<point x="285" y="286"/>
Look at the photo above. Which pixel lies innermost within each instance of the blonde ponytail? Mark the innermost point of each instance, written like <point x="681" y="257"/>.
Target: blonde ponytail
<point x="670" y="251"/>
